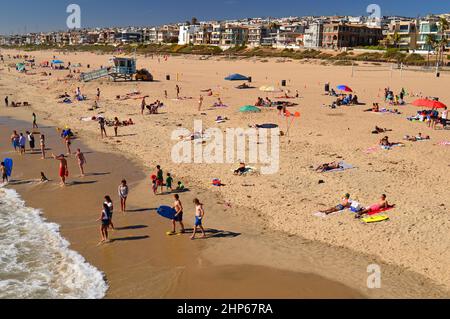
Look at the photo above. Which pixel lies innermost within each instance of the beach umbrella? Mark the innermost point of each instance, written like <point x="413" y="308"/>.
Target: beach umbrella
<point x="344" y="88"/>
<point x="249" y="109"/>
<point x="429" y="104"/>
<point x="236" y="77"/>
<point x="57" y="62"/>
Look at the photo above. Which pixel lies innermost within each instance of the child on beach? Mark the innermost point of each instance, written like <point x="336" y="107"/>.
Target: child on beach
<point x="4" y="173"/>
<point x="154" y="185"/>
<point x="81" y="161"/>
<point x="44" y="178"/>
<point x="169" y="181"/>
<point x="199" y="216"/>
<point x="160" y="178"/>
<point x="178" y="206"/>
<point x="180" y="187"/>
<point x="104" y="218"/>
<point x="123" y="194"/>
<point x="109" y="203"/>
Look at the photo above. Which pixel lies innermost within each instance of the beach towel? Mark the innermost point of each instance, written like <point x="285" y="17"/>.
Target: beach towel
<point x="444" y="143"/>
<point x="219" y="105"/>
<point x="343" y="167"/>
<point x="382" y="210"/>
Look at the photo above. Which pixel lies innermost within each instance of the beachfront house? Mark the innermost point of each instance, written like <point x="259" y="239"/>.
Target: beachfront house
<point x="187" y="34"/>
<point x="402" y="34"/>
<point x="216" y="36"/>
<point x="338" y="35"/>
<point x="127" y="37"/>
<point x="430" y="27"/>
<point x="203" y="34"/>
<point x="234" y="35"/>
<point x="313" y="35"/>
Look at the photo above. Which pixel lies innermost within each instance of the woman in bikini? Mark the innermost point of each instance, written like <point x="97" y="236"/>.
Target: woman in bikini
<point x="42" y="143"/>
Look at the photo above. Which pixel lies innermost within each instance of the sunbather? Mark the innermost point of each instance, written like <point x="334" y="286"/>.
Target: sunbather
<point x="345" y="203"/>
<point x="328" y="167"/>
<point x="419" y="137"/>
<point x="379" y="130"/>
<point x="383" y="204"/>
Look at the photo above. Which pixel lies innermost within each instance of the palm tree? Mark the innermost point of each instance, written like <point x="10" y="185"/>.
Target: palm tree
<point x="442" y="44"/>
<point x="396" y="39"/>
<point x="430" y="42"/>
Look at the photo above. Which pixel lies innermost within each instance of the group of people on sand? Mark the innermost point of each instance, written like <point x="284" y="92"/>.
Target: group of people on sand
<point x="355" y="207"/>
<point x="432" y="117"/>
<point x="153" y="108"/>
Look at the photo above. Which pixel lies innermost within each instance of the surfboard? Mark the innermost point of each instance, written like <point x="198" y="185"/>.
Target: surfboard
<point x="9" y="166"/>
<point x="375" y="219"/>
<point x="167" y="212"/>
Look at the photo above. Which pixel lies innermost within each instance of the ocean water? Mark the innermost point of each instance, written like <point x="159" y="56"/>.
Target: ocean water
<point x="36" y="262"/>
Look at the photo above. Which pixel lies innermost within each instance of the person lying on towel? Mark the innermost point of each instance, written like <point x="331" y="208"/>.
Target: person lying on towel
<point x="382" y="205"/>
<point x="328" y="167"/>
<point x="345" y="203"/>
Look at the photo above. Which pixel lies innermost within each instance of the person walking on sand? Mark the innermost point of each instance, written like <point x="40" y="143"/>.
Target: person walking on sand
<point x="116" y="126"/>
<point x="98" y="95"/>
<point x="160" y="178"/>
<point x="6" y="101"/>
<point x="177" y="88"/>
<point x="199" y="216"/>
<point x="102" y="124"/>
<point x="31" y="141"/>
<point x="63" y="169"/>
<point x="143" y="105"/>
<point x="81" y="161"/>
<point x="109" y="203"/>
<point x="200" y="103"/>
<point x="123" y="194"/>
<point x="42" y="143"/>
<point x="104" y="219"/>
<point x="35" y="121"/>
<point x="178" y="206"/>
<point x="68" y="143"/>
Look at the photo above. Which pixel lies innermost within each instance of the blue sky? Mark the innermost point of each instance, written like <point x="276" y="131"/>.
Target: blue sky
<point x="43" y="15"/>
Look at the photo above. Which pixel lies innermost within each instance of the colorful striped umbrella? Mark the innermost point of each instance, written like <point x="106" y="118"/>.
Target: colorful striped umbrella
<point x="344" y="88"/>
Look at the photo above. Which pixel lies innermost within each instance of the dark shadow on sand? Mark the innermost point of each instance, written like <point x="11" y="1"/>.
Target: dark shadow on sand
<point x="81" y="183"/>
<point x="132" y="238"/>
<point x="132" y="227"/>
<point x="97" y="174"/>
<point x="215" y="233"/>
<point x="141" y="210"/>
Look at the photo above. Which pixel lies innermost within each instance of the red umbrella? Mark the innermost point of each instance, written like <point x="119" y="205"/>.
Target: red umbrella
<point x="429" y="104"/>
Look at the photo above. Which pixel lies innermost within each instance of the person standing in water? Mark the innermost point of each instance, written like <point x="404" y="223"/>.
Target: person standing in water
<point x="200" y="103"/>
<point x="63" y="169"/>
<point x="102" y="124"/>
<point x="42" y="143"/>
<point x="123" y="194"/>
<point x="199" y="216"/>
<point x="81" y="161"/>
<point x="109" y="203"/>
<point x="22" y="144"/>
<point x="116" y="126"/>
<point x="15" y="141"/>
<point x="104" y="218"/>
<point x="4" y="173"/>
<point x="35" y="121"/>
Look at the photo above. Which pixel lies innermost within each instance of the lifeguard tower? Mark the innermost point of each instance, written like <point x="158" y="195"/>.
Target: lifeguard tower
<point x="123" y="69"/>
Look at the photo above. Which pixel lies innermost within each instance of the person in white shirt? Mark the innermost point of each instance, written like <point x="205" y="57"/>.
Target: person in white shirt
<point x="444" y="117"/>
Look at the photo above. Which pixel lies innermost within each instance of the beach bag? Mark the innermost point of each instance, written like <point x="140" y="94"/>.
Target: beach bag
<point x="355" y="207"/>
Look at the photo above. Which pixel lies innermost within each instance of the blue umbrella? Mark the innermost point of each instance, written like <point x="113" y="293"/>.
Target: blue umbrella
<point x="236" y="77"/>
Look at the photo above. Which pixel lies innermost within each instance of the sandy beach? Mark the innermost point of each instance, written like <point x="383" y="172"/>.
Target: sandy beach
<point x="265" y="223"/>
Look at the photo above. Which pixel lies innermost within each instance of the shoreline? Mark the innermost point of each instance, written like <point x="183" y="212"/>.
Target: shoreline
<point x="236" y="207"/>
<point x="167" y="280"/>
